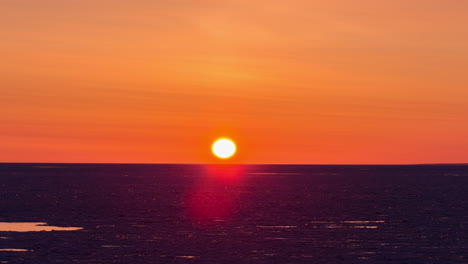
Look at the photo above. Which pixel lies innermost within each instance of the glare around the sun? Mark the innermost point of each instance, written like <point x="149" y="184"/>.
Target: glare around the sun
<point x="224" y="148"/>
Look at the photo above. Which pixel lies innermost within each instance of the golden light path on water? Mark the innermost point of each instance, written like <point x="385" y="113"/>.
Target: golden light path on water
<point x="29" y="227"/>
<point x="32" y="227"/>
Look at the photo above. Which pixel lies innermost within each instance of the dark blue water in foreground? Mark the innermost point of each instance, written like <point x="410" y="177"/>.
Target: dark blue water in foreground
<point x="235" y="214"/>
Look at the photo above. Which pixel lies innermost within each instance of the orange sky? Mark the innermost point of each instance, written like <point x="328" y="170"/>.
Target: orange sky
<point x="298" y="81"/>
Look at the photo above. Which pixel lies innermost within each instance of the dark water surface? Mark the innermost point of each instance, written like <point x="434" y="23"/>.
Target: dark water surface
<point x="233" y="214"/>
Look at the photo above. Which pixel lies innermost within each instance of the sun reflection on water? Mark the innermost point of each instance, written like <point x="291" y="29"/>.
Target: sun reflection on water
<point x="214" y="199"/>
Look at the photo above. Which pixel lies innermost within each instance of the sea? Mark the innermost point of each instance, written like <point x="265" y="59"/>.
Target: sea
<point x="173" y="213"/>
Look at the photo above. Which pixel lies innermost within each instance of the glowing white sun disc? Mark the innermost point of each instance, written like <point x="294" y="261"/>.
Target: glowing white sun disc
<point x="223" y="148"/>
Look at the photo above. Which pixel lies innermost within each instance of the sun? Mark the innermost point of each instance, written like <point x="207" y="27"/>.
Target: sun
<point x="223" y="148"/>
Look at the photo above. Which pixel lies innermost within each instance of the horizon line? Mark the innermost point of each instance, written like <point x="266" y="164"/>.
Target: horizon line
<point x="296" y="164"/>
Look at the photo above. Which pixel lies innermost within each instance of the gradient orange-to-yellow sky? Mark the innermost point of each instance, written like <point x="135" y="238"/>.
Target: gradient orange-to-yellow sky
<point x="299" y="81"/>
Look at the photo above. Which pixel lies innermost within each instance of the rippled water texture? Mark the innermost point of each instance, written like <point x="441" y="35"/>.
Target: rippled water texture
<point x="71" y="213"/>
